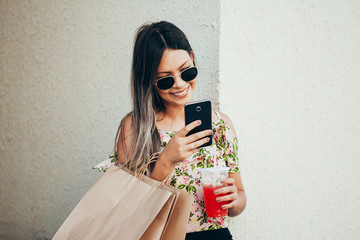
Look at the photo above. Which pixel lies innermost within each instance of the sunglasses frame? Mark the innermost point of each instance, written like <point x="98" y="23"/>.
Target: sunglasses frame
<point x="197" y="70"/>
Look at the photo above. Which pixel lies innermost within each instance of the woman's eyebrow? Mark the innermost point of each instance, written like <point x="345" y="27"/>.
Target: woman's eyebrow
<point x="178" y="67"/>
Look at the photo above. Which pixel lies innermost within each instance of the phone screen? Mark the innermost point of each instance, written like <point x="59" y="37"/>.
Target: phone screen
<point x="199" y="110"/>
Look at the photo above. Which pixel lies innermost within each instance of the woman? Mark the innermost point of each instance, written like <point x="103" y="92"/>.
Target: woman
<point x="163" y="80"/>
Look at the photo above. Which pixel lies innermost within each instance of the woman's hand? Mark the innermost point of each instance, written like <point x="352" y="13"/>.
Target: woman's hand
<point x="181" y="146"/>
<point x="231" y="190"/>
<point x="236" y="197"/>
<point x="178" y="149"/>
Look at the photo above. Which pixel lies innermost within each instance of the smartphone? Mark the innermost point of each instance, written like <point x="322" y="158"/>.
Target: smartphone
<point x="199" y="110"/>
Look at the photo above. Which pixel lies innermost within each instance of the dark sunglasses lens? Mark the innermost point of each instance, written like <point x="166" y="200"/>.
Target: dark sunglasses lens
<point x="165" y="83"/>
<point x="189" y="74"/>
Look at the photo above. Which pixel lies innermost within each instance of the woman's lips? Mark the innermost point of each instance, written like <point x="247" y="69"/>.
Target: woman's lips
<point x="182" y="93"/>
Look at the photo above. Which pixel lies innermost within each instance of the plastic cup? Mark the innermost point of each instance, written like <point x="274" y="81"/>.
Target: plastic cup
<point x="211" y="180"/>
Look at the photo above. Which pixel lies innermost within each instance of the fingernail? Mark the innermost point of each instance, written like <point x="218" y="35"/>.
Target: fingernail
<point x="199" y="122"/>
<point x="223" y="207"/>
<point x="218" y="199"/>
<point x="216" y="192"/>
<point x="207" y="139"/>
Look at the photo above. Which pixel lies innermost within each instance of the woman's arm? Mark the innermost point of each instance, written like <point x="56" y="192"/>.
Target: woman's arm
<point x="162" y="168"/>
<point x="124" y="140"/>
<point x="179" y="147"/>
<point x="236" y="195"/>
<point x="235" y="189"/>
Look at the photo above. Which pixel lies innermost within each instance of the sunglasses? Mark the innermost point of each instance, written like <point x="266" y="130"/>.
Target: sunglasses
<point x="167" y="82"/>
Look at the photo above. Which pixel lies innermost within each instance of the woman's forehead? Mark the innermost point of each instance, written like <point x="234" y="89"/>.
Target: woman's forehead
<point x="173" y="59"/>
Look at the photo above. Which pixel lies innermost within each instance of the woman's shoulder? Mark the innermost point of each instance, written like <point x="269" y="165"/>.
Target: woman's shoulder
<point x="127" y="121"/>
<point x="225" y="118"/>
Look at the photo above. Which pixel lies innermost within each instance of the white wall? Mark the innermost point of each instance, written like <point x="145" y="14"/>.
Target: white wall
<point x="290" y="81"/>
<point x="64" y="86"/>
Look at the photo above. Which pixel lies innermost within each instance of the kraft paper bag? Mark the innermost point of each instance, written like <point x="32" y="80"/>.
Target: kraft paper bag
<point x="175" y="222"/>
<point x="122" y="206"/>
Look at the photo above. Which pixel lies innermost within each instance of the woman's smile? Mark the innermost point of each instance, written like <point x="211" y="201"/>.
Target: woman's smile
<point x="182" y="93"/>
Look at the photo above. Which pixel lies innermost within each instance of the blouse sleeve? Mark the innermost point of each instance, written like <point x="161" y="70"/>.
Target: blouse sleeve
<point x="230" y="154"/>
<point x="105" y="164"/>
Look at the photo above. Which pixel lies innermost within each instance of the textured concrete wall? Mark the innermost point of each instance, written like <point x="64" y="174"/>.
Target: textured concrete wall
<point x="64" y="86"/>
<point x="290" y="81"/>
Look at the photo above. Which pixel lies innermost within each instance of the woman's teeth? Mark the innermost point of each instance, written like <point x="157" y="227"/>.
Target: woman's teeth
<point x="181" y="93"/>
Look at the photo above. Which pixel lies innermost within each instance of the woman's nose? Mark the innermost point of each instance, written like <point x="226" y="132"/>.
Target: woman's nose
<point x="179" y="82"/>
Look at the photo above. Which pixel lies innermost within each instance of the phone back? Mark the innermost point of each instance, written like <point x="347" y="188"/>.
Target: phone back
<point x="199" y="110"/>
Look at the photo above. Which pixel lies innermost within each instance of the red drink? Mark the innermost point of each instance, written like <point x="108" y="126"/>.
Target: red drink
<point x="213" y="208"/>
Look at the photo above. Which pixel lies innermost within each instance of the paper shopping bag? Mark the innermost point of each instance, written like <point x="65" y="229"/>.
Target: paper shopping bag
<point x="175" y="222"/>
<point x="121" y="206"/>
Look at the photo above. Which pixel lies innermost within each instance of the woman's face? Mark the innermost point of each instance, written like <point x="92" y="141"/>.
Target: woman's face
<point x="171" y="64"/>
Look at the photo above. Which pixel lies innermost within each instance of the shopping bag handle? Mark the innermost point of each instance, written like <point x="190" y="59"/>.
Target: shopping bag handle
<point x="150" y="160"/>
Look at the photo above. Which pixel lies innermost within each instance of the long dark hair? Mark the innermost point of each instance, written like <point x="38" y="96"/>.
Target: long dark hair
<point x="150" y="43"/>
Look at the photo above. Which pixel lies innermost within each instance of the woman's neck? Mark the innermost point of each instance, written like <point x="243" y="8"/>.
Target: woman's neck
<point x="173" y="118"/>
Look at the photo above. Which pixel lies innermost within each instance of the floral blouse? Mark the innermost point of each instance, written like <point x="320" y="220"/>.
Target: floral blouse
<point x="223" y="151"/>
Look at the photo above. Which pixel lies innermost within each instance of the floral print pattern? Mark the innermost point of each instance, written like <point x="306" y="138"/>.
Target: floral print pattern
<point x="105" y="164"/>
<point x="186" y="175"/>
